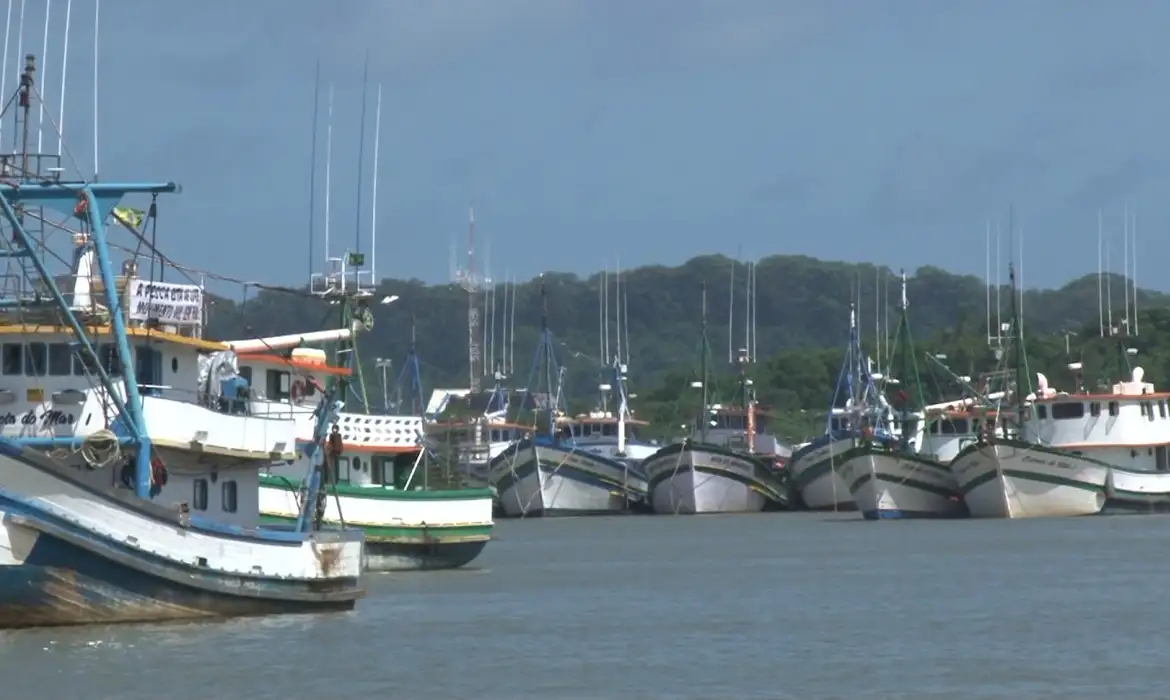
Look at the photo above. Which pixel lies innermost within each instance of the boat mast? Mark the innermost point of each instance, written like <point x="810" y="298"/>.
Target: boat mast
<point x="704" y="360"/>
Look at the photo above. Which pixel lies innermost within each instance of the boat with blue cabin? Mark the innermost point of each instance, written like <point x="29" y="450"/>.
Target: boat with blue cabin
<point x="126" y="492"/>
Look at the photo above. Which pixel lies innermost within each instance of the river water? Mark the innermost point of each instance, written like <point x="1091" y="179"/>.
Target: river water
<point x="766" y="606"/>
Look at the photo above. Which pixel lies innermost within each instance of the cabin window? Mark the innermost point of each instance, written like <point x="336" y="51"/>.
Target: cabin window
<point x="246" y="373"/>
<point x="278" y="385"/>
<point x="36" y="360"/>
<point x="175" y="365"/>
<point x="952" y="427"/>
<point x="1095" y="409"/>
<point x="357" y="464"/>
<point x="609" y="429"/>
<point x="1162" y="409"/>
<point x="13" y="359"/>
<point x="1041" y="412"/>
<point x="199" y="495"/>
<point x="342" y="473"/>
<point x="60" y="360"/>
<point x="933" y="428"/>
<point x="230" y="497"/>
<point x="1149" y="409"/>
<point x="1065" y="411"/>
<point x="1113" y="408"/>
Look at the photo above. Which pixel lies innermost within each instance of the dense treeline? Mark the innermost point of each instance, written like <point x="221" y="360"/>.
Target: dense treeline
<point x="802" y="319"/>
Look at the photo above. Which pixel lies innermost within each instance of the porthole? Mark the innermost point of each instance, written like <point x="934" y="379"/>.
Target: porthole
<point x="174" y="364"/>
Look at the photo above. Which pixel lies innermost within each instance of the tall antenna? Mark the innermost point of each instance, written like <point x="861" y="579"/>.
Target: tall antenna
<point x="473" y="285"/>
<point x="504" y="327"/>
<point x="361" y="156"/>
<point x="605" y="314"/>
<point x="491" y="296"/>
<point x="374" y="204"/>
<point x="731" y="313"/>
<point x="328" y="165"/>
<point x="64" y="69"/>
<point x="998" y="284"/>
<point x="4" y="74"/>
<point x="877" y="313"/>
<point x="97" y="11"/>
<point x="512" y="333"/>
<point x="1126" y="319"/>
<point x="313" y="162"/>
<point x="755" y="278"/>
<point x="487" y="290"/>
<point x="20" y="55"/>
<point x="1020" y="312"/>
<point x="618" y="309"/>
<point x="986" y="277"/>
<point x="1100" y="273"/>
<point x="601" y="316"/>
<point x="1133" y="263"/>
<point x="1108" y="288"/>
<point x="44" y="77"/>
<point x="747" y="313"/>
<point x="626" y="321"/>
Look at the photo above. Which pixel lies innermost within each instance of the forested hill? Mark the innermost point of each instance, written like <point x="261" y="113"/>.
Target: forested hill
<point x="802" y="308"/>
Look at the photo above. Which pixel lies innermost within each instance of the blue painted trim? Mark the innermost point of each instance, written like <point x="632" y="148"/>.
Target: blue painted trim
<point x="898" y="514"/>
<point x="136" y="415"/>
<point x="175" y="571"/>
<point x="46" y="191"/>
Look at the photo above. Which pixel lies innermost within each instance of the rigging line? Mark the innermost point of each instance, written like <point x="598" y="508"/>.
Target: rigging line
<point x="58" y="128"/>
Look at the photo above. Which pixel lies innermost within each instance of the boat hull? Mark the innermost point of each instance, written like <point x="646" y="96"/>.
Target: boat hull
<point x="815" y="475"/>
<point x="698" y="478"/>
<point x="71" y="554"/>
<point x="535" y="480"/>
<point x="404" y="530"/>
<point x="890" y="484"/>
<point x="1012" y="479"/>
<point x="1128" y="491"/>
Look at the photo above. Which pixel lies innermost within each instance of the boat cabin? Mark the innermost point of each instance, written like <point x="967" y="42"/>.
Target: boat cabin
<point x="597" y="426"/>
<point x="740" y="428"/>
<point x="1129" y="426"/>
<point x="947" y="431"/>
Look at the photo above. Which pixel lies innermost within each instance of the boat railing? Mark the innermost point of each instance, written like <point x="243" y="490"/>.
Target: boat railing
<point x="245" y="407"/>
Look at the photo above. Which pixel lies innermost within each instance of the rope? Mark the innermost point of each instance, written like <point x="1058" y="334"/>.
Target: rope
<point x="100" y="449"/>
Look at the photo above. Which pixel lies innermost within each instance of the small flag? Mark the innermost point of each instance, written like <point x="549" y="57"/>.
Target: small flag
<point x="129" y="217"/>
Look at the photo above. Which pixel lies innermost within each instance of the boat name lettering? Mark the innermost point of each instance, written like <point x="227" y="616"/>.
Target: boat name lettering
<point x="1049" y="462"/>
<point x="53" y="417"/>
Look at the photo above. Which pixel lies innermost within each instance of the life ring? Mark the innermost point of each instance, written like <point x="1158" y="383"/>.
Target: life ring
<point x="298" y="390"/>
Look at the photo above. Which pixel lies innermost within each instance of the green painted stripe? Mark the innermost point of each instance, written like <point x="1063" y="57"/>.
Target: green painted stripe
<point x="403" y="534"/>
<point x="1052" y="479"/>
<point x="975" y="483"/>
<point x="382" y="493"/>
<point x="766" y="490"/>
<point x="911" y="482"/>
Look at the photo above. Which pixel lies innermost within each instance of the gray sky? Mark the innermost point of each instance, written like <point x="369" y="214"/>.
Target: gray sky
<point x="646" y="130"/>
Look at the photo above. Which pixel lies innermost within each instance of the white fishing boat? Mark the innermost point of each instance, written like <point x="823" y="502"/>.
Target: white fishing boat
<point x="728" y="463"/>
<point x="888" y="475"/>
<point x="1074" y="453"/>
<point x="814" y="468"/>
<point x="105" y="515"/>
<point x="548" y="472"/>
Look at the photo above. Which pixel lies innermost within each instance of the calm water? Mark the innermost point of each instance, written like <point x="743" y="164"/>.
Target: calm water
<point x="759" y="606"/>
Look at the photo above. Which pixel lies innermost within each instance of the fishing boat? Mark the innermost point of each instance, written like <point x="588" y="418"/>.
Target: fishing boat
<point x="1076" y="454"/>
<point x="96" y="524"/>
<point x="547" y="473"/>
<point x="813" y="469"/>
<point x="717" y="469"/>
<point x="887" y="474"/>
<point x="1061" y="454"/>
<point x="379" y="481"/>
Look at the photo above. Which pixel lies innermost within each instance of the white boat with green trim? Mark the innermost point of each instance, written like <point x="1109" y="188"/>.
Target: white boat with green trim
<point x="899" y="474"/>
<point x="406" y="530"/>
<point x="890" y="482"/>
<point x="1077" y="454"/>
<point x="692" y="477"/>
